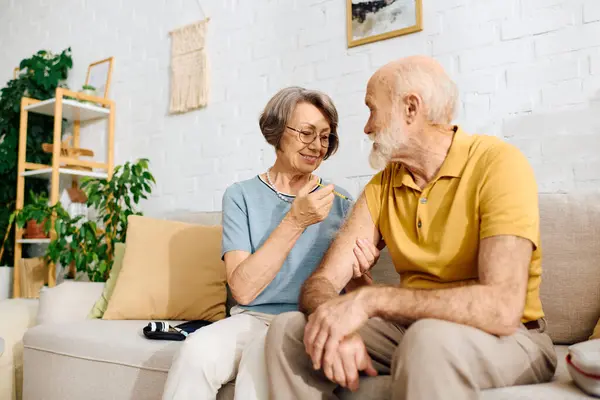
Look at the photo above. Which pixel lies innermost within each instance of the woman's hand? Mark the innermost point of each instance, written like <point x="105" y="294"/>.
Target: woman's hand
<point x="311" y="208"/>
<point x="366" y="255"/>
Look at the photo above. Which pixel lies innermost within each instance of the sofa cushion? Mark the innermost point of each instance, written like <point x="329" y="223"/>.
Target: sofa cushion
<point x="131" y="366"/>
<point x="68" y="301"/>
<point x="570" y="289"/>
<point x="116" y="342"/>
<point x="99" y="308"/>
<point x="171" y="270"/>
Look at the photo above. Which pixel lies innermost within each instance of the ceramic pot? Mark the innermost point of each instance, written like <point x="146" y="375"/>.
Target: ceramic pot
<point x="33" y="230"/>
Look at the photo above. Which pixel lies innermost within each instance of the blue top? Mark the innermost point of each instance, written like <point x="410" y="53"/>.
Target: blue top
<point x="251" y="211"/>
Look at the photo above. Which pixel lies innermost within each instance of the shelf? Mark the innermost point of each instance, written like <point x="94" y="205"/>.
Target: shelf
<point x="33" y="241"/>
<point x="46" y="173"/>
<point x="72" y="110"/>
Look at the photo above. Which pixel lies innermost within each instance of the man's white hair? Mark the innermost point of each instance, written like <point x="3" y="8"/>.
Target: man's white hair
<point x="438" y="91"/>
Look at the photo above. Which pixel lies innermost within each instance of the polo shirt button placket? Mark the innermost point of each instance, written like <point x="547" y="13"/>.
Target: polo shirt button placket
<point x="422" y="200"/>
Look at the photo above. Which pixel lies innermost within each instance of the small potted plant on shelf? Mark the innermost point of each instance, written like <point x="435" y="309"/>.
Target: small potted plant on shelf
<point x="88" y="90"/>
<point x="34" y="217"/>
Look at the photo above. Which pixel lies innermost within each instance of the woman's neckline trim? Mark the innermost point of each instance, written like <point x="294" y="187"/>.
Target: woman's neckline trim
<point x="260" y="178"/>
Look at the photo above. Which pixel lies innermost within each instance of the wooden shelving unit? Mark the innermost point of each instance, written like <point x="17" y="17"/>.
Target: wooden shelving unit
<point x="72" y="110"/>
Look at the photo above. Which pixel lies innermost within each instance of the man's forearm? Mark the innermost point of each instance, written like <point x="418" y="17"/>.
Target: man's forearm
<point x="484" y="307"/>
<point x="316" y="291"/>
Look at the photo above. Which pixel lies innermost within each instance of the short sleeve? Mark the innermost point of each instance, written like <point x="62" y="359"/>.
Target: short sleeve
<point x="373" y="193"/>
<point x="236" y="231"/>
<point x="508" y="202"/>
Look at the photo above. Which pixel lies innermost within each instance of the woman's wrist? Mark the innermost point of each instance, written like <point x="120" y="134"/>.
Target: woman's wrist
<point x="291" y="221"/>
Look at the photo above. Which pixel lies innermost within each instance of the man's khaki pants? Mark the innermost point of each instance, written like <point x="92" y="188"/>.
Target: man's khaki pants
<point x="431" y="359"/>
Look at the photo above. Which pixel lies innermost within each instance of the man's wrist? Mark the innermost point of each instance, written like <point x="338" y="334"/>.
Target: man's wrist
<point x="369" y="297"/>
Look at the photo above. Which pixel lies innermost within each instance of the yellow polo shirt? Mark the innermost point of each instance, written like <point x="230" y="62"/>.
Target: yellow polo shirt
<point x="484" y="188"/>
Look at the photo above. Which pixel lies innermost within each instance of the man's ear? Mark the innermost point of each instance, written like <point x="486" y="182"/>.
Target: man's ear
<point x="412" y="106"/>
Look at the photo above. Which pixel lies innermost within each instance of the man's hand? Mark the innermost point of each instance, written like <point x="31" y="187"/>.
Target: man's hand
<point x="332" y="321"/>
<point x="343" y="365"/>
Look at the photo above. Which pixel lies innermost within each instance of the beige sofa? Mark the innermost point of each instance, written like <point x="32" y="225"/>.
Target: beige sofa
<point x="69" y="357"/>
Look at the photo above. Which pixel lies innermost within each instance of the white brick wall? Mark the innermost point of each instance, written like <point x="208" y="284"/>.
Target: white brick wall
<point x="528" y="71"/>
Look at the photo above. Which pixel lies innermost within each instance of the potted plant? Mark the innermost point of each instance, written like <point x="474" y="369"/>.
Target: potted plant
<point x="89" y="90"/>
<point x="33" y="217"/>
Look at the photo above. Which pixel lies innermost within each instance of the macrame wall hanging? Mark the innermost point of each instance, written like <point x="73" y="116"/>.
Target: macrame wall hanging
<point x="189" y="67"/>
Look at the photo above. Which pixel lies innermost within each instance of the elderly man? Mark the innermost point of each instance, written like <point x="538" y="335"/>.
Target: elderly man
<point x="459" y="216"/>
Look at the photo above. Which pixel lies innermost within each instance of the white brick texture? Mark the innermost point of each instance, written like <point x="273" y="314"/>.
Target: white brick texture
<point x="543" y="21"/>
<point x="591" y="11"/>
<point x="527" y="71"/>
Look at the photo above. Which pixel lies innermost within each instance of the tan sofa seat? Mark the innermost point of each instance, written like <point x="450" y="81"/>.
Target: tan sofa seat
<point x="97" y="359"/>
<point x="118" y="352"/>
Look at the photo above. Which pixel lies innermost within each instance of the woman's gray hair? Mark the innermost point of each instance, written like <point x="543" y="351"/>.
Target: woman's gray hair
<point x="279" y="109"/>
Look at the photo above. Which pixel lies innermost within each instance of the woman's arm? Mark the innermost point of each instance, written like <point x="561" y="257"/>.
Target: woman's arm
<point x="249" y="274"/>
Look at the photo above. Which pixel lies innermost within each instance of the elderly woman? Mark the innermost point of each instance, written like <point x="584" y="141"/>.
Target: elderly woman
<point x="276" y="229"/>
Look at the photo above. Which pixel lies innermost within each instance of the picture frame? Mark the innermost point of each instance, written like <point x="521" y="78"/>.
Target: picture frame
<point x="369" y="21"/>
<point x="99" y="75"/>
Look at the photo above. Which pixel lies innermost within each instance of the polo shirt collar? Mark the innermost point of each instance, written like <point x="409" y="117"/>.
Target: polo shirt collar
<point x="453" y="165"/>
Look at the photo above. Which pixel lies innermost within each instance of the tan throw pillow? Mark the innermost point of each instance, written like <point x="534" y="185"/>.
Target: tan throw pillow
<point x="100" y="306"/>
<point x="596" y="333"/>
<point x="171" y="271"/>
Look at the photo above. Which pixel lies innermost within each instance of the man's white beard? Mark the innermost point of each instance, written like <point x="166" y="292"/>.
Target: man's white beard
<point x="387" y="144"/>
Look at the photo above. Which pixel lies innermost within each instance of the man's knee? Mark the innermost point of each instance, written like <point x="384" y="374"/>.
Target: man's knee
<point x="429" y="343"/>
<point x="285" y="328"/>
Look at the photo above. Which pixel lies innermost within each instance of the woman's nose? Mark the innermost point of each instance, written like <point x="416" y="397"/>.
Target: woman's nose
<point x="315" y="144"/>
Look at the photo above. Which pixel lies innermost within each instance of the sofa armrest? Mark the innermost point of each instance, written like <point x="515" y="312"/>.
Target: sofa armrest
<point x="16" y="316"/>
<point x="69" y="301"/>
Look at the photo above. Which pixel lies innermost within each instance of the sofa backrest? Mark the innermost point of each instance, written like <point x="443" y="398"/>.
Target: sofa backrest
<point x="570" y="290"/>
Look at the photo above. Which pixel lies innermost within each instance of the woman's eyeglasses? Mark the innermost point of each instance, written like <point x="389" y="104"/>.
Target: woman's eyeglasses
<point x="307" y="137"/>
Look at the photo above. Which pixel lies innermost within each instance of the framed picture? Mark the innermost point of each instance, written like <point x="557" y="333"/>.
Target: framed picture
<point x="98" y="76"/>
<point x="373" y="20"/>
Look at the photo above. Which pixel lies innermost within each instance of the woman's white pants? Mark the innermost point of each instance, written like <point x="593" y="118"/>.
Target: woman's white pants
<point x="232" y="348"/>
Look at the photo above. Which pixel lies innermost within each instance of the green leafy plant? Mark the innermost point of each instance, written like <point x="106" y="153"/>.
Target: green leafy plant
<point x="40" y="75"/>
<point x="88" y="87"/>
<point x="37" y="211"/>
<point x="89" y="244"/>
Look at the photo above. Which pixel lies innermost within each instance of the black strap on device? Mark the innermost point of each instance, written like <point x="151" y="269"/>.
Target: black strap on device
<point x="161" y="330"/>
